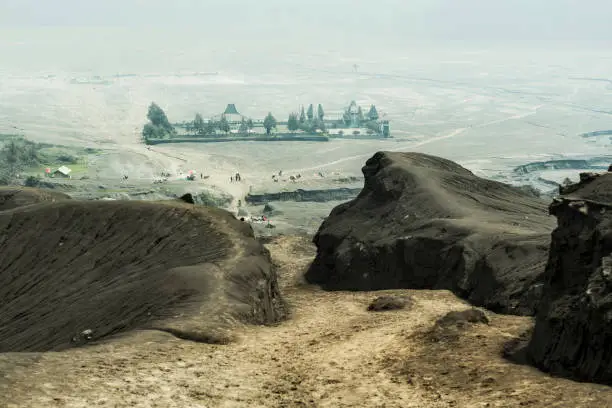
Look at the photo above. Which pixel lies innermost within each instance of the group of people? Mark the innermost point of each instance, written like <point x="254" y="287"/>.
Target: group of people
<point x="235" y="178"/>
<point x="275" y="177"/>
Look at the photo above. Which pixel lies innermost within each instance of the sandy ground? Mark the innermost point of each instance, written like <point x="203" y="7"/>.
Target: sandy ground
<point x="330" y="353"/>
<point x="143" y="165"/>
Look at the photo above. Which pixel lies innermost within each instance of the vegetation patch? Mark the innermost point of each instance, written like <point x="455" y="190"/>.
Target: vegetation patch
<point x="22" y="157"/>
<point x="16" y="155"/>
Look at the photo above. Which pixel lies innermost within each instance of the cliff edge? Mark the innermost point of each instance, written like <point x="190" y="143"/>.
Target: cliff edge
<point x="424" y="222"/>
<point x="573" y="331"/>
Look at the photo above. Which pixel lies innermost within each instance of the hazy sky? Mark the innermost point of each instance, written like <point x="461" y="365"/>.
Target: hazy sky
<point x="508" y="20"/>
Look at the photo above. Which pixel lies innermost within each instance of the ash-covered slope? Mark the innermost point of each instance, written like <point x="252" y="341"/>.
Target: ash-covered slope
<point x="426" y="222"/>
<point x="72" y="271"/>
<point x="12" y="197"/>
<point x="573" y="331"/>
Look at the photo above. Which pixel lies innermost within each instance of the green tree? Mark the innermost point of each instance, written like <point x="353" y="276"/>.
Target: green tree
<point x="11" y="156"/>
<point x="32" y="181"/>
<point x="189" y="128"/>
<point x="310" y="112"/>
<point x="15" y="155"/>
<point x="198" y="125"/>
<point x="224" y="125"/>
<point x="320" y="112"/>
<point x="308" y="127"/>
<point x="293" y="123"/>
<point x="302" y="115"/>
<point x="211" y="127"/>
<point x="150" y="131"/>
<point x="158" y="117"/>
<point x="158" y="127"/>
<point x="244" y="127"/>
<point x="28" y="153"/>
<point x="346" y="118"/>
<point x="373" y="113"/>
<point x="360" y="117"/>
<point x="250" y="124"/>
<point x="269" y="123"/>
<point x="373" y="125"/>
<point x="318" y="124"/>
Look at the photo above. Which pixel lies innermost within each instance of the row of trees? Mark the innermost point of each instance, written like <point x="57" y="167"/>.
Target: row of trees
<point x="159" y="127"/>
<point x="372" y="115"/>
<point x="306" y="120"/>
<point x="295" y="123"/>
<point x="309" y="121"/>
<point x="309" y="115"/>
<point x="201" y="128"/>
<point x="269" y="123"/>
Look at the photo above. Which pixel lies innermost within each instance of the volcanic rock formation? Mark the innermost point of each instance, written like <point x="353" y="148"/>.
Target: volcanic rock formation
<point x="573" y="331"/>
<point x="78" y="271"/>
<point x="425" y="222"/>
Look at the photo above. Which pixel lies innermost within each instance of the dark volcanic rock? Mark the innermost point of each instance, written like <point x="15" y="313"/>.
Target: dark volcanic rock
<point x="321" y="196"/>
<point x="450" y="326"/>
<point x="269" y="209"/>
<point x="585" y="178"/>
<point x="383" y="303"/>
<point x="454" y="318"/>
<point x="187" y="198"/>
<point x="426" y="222"/>
<point x="573" y="331"/>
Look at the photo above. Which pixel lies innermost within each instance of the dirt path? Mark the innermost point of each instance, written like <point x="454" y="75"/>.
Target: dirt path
<point x="330" y="353"/>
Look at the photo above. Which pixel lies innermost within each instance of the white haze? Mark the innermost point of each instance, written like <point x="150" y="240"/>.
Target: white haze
<point x="492" y="84"/>
<point x="382" y="21"/>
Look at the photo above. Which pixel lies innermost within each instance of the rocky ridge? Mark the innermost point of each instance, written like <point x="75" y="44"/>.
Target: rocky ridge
<point x="573" y="330"/>
<point x="424" y="222"/>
